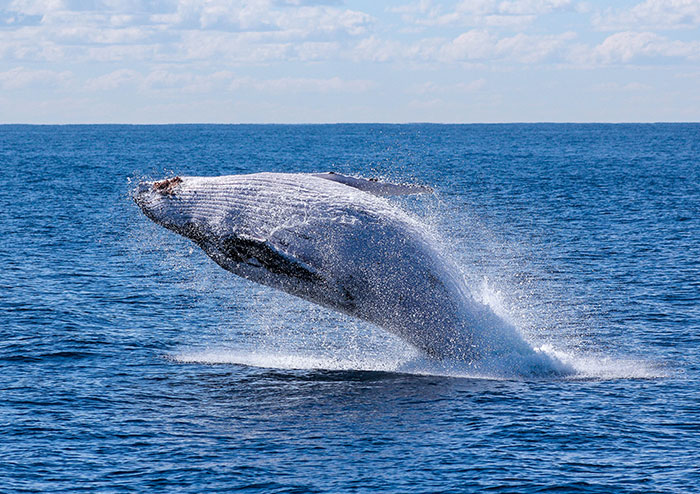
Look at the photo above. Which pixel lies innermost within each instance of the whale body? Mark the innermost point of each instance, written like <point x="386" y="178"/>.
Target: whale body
<point x="333" y="240"/>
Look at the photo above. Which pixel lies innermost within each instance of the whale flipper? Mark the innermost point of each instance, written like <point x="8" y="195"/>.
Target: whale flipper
<point x="261" y="253"/>
<point x="257" y="253"/>
<point x="374" y="186"/>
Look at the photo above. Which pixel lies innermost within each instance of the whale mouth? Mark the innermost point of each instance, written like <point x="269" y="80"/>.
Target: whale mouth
<point x="151" y="198"/>
<point x="144" y="194"/>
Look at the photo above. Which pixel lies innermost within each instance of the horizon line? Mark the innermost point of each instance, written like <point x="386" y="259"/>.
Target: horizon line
<point x="523" y="122"/>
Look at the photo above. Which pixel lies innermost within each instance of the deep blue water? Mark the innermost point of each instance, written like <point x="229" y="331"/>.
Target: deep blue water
<point x="130" y="362"/>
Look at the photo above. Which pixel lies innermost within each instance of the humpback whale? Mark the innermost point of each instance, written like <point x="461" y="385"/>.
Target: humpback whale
<point x="333" y="240"/>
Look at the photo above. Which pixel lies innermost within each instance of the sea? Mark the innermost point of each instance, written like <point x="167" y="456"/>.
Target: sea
<point x="131" y="362"/>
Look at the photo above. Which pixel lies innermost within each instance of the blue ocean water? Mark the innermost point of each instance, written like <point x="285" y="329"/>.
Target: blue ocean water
<point x="129" y="361"/>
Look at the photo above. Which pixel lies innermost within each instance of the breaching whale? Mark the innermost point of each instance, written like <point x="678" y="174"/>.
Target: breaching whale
<point x="332" y="240"/>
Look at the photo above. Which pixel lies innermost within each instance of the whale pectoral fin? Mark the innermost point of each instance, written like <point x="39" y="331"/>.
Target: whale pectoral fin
<point x="374" y="186"/>
<point x="261" y="253"/>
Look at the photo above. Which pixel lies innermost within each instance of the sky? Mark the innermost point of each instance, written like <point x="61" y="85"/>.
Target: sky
<point x="316" y="61"/>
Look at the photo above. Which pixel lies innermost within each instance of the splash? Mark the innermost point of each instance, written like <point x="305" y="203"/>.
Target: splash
<point x="575" y="367"/>
<point x="605" y="367"/>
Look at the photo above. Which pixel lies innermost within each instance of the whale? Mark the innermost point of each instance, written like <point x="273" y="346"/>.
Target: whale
<point x="333" y="240"/>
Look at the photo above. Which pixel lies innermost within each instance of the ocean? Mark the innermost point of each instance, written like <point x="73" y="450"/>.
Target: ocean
<point x="130" y="362"/>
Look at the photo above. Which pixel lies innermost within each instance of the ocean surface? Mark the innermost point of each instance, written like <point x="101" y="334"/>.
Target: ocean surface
<point x="130" y="362"/>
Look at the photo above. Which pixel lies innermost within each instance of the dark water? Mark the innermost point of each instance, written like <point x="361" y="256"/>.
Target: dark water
<point x="130" y="362"/>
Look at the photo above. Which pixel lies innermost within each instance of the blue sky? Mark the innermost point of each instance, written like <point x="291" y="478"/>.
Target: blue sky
<point x="228" y="61"/>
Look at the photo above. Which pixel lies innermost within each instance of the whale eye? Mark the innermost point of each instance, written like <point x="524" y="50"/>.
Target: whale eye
<point x="166" y="186"/>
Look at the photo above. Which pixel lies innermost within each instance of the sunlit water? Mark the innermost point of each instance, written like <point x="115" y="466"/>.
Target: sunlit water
<point x="130" y="361"/>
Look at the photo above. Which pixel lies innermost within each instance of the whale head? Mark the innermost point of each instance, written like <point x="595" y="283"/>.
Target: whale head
<point x="173" y="203"/>
<point x="236" y="224"/>
<point x="159" y="201"/>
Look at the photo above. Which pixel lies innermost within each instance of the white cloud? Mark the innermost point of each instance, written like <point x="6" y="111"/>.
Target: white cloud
<point x="374" y="49"/>
<point x="431" y="88"/>
<point x="481" y="45"/>
<point x="617" y="87"/>
<point x="92" y="35"/>
<point x="472" y="86"/>
<point x="652" y="15"/>
<point x="229" y="30"/>
<point x="227" y="34"/>
<point x="328" y="20"/>
<point x="525" y="7"/>
<point x="35" y="7"/>
<point x="479" y="13"/>
<point x="475" y="46"/>
<point x="113" y="80"/>
<point x="304" y="85"/>
<point x="626" y="47"/>
<point x="23" y="78"/>
<point x="163" y="80"/>
<point x="533" y="48"/>
<point x="296" y="20"/>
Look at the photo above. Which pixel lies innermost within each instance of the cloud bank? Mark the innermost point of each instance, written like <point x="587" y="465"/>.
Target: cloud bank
<point x="300" y="53"/>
